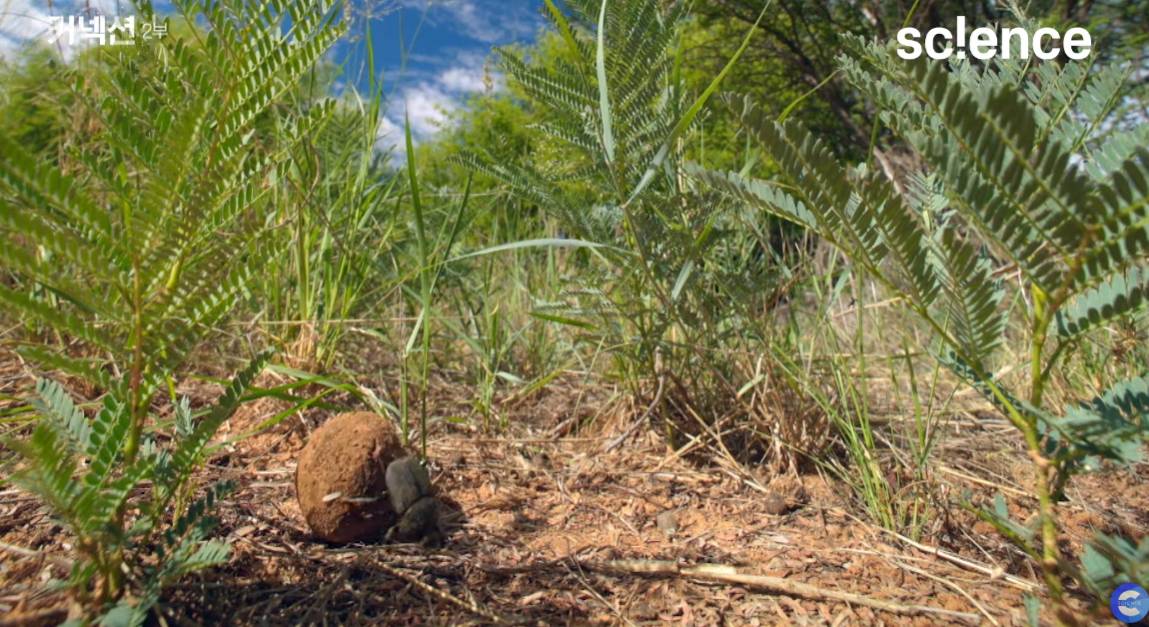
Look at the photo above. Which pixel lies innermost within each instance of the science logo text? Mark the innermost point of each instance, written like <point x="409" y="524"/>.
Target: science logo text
<point x="986" y="43"/>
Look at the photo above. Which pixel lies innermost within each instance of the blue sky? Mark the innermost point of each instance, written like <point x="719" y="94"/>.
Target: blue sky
<point x="446" y="44"/>
<point x="434" y="54"/>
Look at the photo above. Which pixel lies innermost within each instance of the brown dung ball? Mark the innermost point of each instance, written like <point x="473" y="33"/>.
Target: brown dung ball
<point x="340" y="478"/>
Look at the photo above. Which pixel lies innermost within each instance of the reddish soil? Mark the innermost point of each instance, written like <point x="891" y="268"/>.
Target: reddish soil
<point x="547" y="510"/>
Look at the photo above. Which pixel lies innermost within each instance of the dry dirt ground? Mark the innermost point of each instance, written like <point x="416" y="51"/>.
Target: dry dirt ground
<point x="558" y="531"/>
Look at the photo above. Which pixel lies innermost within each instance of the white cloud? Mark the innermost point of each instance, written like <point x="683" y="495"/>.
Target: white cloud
<point x="20" y="22"/>
<point x="389" y="136"/>
<point x="488" y="21"/>
<point x="430" y="102"/>
<point x="428" y="107"/>
<point x="463" y="79"/>
<point x="474" y="22"/>
<point x="470" y="73"/>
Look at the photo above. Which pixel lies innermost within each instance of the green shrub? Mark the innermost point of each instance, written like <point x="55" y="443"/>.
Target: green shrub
<point x="125" y="541"/>
<point x="133" y="248"/>
<point x="679" y="279"/>
<point x="1017" y="169"/>
<point x="334" y="217"/>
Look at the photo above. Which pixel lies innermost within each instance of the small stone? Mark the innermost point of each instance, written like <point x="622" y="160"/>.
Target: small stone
<point x="667" y="521"/>
<point x="775" y="504"/>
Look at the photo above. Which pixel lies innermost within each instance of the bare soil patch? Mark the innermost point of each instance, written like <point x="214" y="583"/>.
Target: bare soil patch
<point x="546" y="514"/>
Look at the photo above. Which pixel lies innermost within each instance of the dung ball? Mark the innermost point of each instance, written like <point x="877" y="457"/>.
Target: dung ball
<point x="340" y="478"/>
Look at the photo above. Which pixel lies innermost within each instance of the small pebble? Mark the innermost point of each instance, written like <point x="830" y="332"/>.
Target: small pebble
<point x="775" y="504"/>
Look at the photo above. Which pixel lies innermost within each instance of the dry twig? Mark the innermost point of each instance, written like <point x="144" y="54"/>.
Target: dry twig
<point x="993" y="573"/>
<point x="615" y="443"/>
<point x="470" y="606"/>
<point x="721" y="573"/>
<point x="949" y="584"/>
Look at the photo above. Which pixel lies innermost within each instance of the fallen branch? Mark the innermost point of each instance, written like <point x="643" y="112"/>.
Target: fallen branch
<point x="18" y="550"/>
<point x="992" y="573"/>
<point x="470" y="606"/>
<point x="721" y="573"/>
<point x="949" y="584"/>
<point x="50" y="616"/>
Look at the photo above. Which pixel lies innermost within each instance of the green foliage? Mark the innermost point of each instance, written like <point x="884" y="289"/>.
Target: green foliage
<point x="145" y="197"/>
<point x="334" y="218"/>
<point x="143" y="245"/>
<point x="680" y="269"/>
<point x="33" y="99"/>
<point x="627" y="80"/>
<point x="601" y="89"/>
<point x="133" y="249"/>
<point x="332" y="214"/>
<point x="795" y="56"/>
<point x="1008" y="151"/>
<point x="1109" y="562"/>
<point x="495" y="301"/>
<point x="79" y="467"/>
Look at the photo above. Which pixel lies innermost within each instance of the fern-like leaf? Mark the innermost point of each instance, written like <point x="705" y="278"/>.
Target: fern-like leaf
<point x="55" y="404"/>
<point x="972" y="303"/>
<point x="1124" y="294"/>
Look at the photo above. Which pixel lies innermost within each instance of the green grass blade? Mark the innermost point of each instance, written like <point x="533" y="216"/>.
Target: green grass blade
<point x="536" y="243"/>
<point x="691" y="113"/>
<point x="603" y="88"/>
